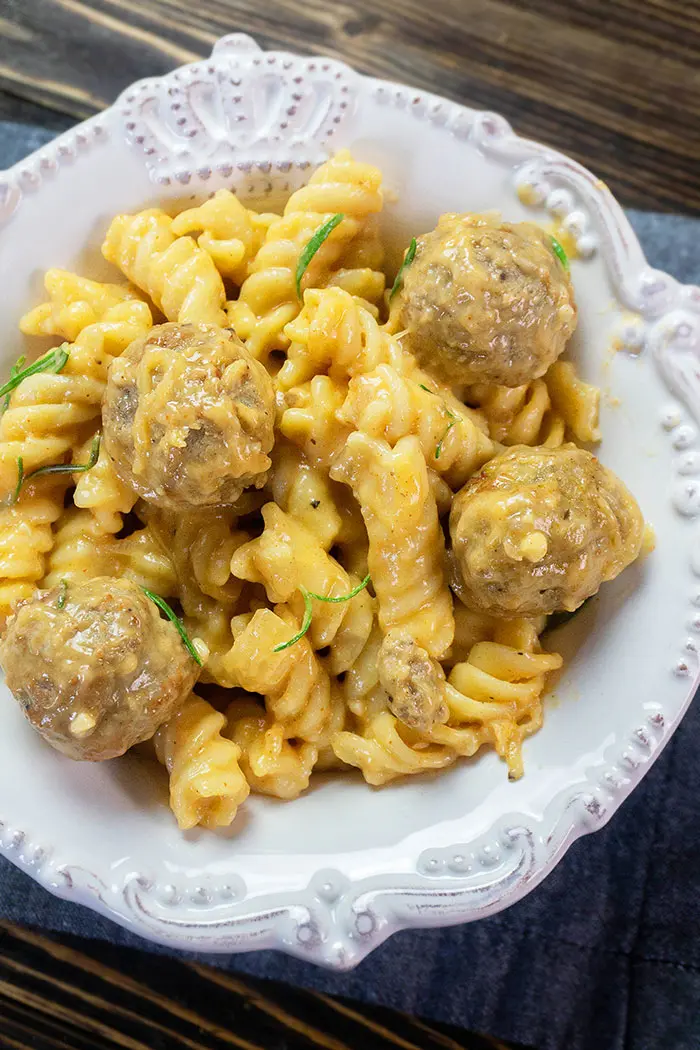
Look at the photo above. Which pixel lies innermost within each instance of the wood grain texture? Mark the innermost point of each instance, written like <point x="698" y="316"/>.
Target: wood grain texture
<point x="63" y="993"/>
<point x="614" y="83"/>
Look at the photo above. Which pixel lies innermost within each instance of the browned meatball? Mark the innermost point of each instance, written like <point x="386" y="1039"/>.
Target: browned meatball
<point x="414" y="683"/>
<point x="95" y="668"/>
<point x="538" y="530"/>
<point x="188" y="417"/>
<point x="486" y="301"/>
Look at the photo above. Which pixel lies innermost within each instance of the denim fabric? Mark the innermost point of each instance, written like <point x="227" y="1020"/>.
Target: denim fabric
<point x="604" y="955"/>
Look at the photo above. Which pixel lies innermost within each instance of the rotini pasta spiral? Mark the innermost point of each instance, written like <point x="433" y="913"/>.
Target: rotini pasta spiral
<point x="306" y="493"/>
<point x="406" y="545"/>
<point x="287" y="557"/>
<point x="81" y="550"/>
<point x="207" y="784"/>
<point x="25" y="538"/>
<point x="385" y="749"/>
<point x="376" y="745"/>
<point x="385" y="404"/>
<point x="229" y="232"/>
<point x="272" y="764"/>
<point x="180" y="278"/>
<point x="577" y="403"/>
<point x="295" y="684"/>
<point x="268" y="298"/>
<point x="310" y="422"/>
<point x="141" y="559"/>
<point x="74" y="303"/>
<point x="335" y="333"/>
<point x="361" y="274"/>
<point x="520" y="415"/>
<point x="495" y="697"/>
<point x="48" y="413"/>
<point x="100" y="491"/>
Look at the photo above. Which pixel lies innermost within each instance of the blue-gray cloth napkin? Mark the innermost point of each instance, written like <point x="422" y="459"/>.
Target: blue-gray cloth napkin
<point x="604" y="955"/>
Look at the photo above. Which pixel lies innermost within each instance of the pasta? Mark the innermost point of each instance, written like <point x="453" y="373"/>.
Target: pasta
<point x="229" y="233"/>
<point x="179" y="276"/>
<point x="80" y="550"/>
<point x="541" y="412"/>
<point x="296" y="686"/>
<point x="25" y="538"/>
<point x="287" y="557"/>
<point x="406" y="544"/>
<point x="268" y="298"/>
<point x="48" y="413"/>
<point x="207" y="784"/>
<point x="322" y="620"/>
<point x="385" y="404"/>
<point x="335" y="333"/>
<point x="273" y="765"/>
<point x="74" y="303"/>
<point x="101" y="492"/>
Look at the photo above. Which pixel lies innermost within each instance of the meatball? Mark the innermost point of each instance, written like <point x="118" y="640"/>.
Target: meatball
<point x="188" y="417"/>
<point x="415" y="684"/>
<point x="486" y="301"/>
<point x="94" y="667"/>
<point x="538" y="530"/>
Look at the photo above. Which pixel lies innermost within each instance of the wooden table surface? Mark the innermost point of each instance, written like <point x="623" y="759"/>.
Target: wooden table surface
<point x="615" y="83"/>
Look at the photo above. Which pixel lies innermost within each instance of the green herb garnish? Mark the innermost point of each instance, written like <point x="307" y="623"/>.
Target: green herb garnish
<point x="174" y="619"/>
<point x="308" y="597"/>
<point x="560" y="253"/>
<point x="14" y="371"/>
<point x="20" y="481"/>
<point x="407" y="260"/>
<point x="312" y="246"/>
<point x="62" y="594"/>
<point x="56" y="468"/>
<point x="441" y="442"/>
<point x="54" y="361"/>
<point x="426" y="388"/>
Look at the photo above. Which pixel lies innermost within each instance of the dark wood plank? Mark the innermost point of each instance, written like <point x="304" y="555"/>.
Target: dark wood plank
<point x="615" y="83"/>
<point x="64" y="993"/>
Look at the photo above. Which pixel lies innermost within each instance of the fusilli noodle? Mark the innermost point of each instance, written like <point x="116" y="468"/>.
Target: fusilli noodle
<point x="268" y="298"/>
<point x="295" y="683"/>
<point x="74" y="303"/>
<point x="286" y="557"/>
<point x="180" y="277"/>
<point x="25" y="538"/>
<point x="228" y="232"/>
<point x="207" y="784"/>
<point x="273" y="765"/>
<point x="385" y="404"/>
<point x="406" y="544"/>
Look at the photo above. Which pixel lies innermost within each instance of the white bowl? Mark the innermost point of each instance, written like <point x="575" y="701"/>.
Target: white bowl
<point x="330" y="876"/>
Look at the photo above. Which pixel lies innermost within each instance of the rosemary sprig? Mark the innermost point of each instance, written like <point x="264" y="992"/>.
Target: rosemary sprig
<point x="312" y="247"/>
<point x="14" y="371"/>
<point x="308" y="597"/>
<point x="20" y="481"/>
<point x="407" y="260"/>
<point x="559" y="252"/>
<point x="53" y="361"/>
<point x="55" y="468"/>
<point x="450" y="415"/>
<point x="62" y="594"/>
<point x="176" y="621"/>
<point x="453" y="419"/>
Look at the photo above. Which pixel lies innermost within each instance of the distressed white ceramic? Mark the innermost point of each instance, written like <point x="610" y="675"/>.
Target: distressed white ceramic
<point x="328" y="877"/>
